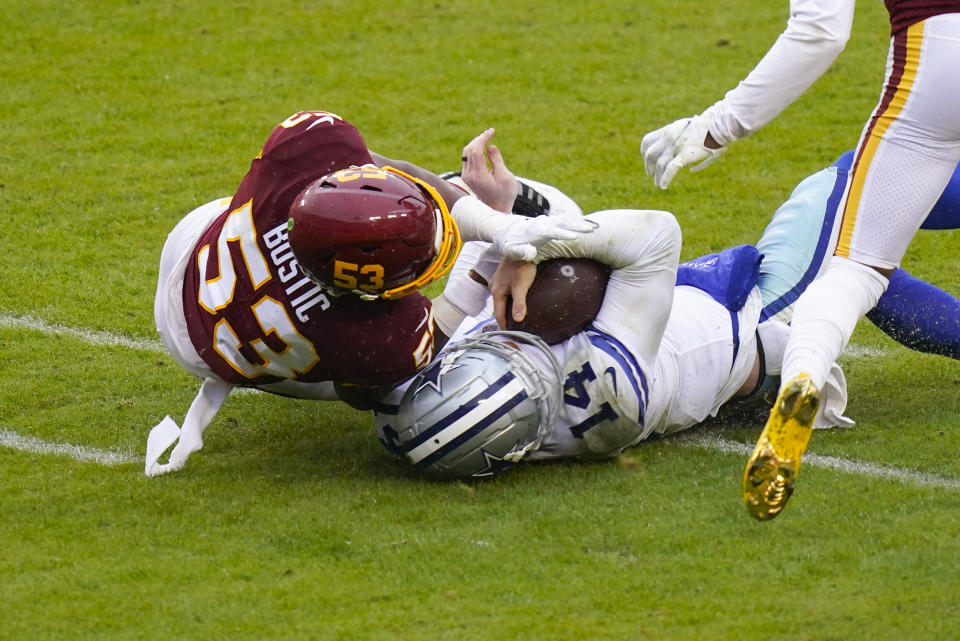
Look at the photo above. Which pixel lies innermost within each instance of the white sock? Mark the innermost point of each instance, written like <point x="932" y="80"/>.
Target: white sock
<point x="826" y="315"/>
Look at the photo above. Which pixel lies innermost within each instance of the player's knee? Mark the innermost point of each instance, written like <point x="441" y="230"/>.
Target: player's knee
<point x="864" y="282"/>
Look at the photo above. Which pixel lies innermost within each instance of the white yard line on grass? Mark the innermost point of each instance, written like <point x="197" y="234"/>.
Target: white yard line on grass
<point x="80" y="453"/>
<point x="90" y="336"/>
<point x="860" y="468"/>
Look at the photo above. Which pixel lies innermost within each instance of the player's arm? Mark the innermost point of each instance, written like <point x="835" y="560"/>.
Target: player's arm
<point x="816" y="33"/>
<point x="465" y="295"/>
<point x="487" y="217"/>
<point x="449" y="192"/>
<point x="643" y="249"/>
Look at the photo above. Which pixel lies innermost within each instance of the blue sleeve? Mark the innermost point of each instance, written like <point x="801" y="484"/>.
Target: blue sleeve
<point x="946" y="211"/>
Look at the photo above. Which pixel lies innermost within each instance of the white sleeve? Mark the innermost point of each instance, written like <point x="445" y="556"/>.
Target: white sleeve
<point x="816" y="33"/>
<point x="477" y="221"/>
<point x="643" y="249"/>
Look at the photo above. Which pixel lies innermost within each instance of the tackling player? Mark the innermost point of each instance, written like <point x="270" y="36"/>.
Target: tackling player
<point x="307" y="276"/>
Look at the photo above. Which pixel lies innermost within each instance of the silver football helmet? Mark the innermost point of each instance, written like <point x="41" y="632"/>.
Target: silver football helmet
<point x="480" y="407"/>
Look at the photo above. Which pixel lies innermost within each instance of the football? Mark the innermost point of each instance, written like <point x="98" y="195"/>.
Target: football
<point x="564" y="298"/>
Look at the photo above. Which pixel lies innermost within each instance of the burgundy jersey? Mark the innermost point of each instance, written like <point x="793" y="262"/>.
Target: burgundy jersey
<point x="252" y="314"/>
<point x="904" y="13"/>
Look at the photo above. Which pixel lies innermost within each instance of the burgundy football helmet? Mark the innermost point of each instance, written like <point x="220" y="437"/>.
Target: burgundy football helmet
<point x="376" y="232"/>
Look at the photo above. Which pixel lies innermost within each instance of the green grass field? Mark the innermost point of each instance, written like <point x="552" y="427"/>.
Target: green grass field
<point x="293" y="523"/>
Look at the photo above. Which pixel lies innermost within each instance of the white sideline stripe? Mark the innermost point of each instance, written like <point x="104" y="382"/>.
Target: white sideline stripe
<point x="90" y="337"/>
<point x="87" y="335"/>
<point x="77" y="452"/>
<point x="907" y="477"/>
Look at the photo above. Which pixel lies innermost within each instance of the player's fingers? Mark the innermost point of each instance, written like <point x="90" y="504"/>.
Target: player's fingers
<point x="496" y="161"/>
<point x="519" y="310"/>
<point x="159" y="469"/>
<point x="669" y="172"/>
<point x="665" y="158"/>
<point x="519" y="293"/>
<point x="473" y="153"/>
<point x="499" y="290"/>
<point x="646" y="142"/>
<point x="500" y="308"/>
<point x="651" y="147"/>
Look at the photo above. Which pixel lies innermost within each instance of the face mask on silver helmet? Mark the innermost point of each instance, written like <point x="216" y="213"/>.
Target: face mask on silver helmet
<point x="480" y="407"/>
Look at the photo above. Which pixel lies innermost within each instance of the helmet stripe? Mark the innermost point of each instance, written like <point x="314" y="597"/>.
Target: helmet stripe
<point x="495" y="387"/>
<point x="470" y="432"/>
<point x="471" y="417"/>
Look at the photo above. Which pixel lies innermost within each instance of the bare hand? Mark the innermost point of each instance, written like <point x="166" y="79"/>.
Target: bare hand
<point x="492" y="182"/>
<point x="513" y="278"/>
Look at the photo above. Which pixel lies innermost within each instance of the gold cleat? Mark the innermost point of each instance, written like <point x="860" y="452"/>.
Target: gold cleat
<point x="772" y="468"/>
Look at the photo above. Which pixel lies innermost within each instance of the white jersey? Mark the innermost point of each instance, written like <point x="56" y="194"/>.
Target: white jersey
<point x="658" y="358"/>
<point x="610" y="402"/>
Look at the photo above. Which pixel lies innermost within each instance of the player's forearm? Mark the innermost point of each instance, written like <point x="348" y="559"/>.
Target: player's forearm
<point x="449" y="192"/>
<point x="815" y="35"/>
<point x="476" y="220"/>
<point x="624" y="239"/>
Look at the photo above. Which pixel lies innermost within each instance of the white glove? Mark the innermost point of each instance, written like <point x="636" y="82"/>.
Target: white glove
<point x="189" y="439"/>
<point x="162" y="436"/>
<point x="677" y="145"/>
<point x="521" y="237"/>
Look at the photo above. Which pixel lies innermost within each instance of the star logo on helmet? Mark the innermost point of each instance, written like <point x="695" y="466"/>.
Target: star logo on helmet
<point x="431" y="377"/>
<point x="495" y="464"/>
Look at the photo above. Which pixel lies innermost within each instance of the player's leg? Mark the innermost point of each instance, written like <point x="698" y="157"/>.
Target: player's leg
<point x="798" y="241"/>
<point x="914" y="312"/>
<point x="905" y="158"/>
<point x="172" y="327"/>
<point x="800" y="238"/>
<point x="946" y="211"/>
<point x="919" y="315"/>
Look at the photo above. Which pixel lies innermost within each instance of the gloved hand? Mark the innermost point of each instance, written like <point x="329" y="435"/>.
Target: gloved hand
<point x="676" y="145"/>
<point x="189" y="438"/>
<point x="161" y="437"/>
<point x="520" y="237"/>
